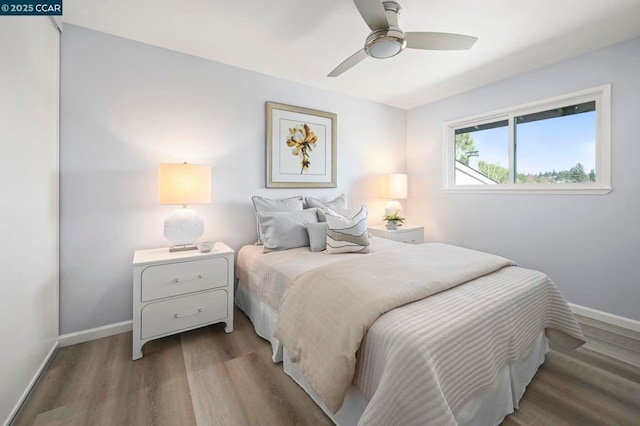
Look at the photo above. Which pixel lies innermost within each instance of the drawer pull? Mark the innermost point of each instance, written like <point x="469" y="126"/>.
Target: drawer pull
<point x="196" y="312"/>
<point x="181" y="280"/>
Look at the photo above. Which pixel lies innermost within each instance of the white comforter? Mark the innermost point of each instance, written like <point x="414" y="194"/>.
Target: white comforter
<point x="421" y="362"/>
<point x="327" y="311"/>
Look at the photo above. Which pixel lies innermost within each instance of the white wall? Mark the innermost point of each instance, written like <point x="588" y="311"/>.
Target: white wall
<point x="589" y="245"/>
<point x="29" y="57"/>
<point x="126" y="107"/>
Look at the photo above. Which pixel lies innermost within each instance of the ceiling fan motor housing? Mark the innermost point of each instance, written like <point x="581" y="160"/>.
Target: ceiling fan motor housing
<point x="392" y="6"/>
<point x="387" y="42"/>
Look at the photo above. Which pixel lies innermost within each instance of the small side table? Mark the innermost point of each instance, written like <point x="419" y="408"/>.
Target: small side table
<point x="412" y="234"/>
<point x="180" y="291"/>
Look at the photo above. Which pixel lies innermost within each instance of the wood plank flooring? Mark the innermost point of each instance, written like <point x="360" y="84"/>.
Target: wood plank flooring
<point x="596" y="384"/>
<point x="208" y="377"/>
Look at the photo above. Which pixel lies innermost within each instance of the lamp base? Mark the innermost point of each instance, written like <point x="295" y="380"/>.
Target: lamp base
<point x="186" y="247"/>
<point x="393" y="207"/>
<point x="183" y="228"/>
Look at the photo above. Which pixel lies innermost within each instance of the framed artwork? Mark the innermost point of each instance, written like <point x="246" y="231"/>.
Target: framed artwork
<point x="301" y="147"/>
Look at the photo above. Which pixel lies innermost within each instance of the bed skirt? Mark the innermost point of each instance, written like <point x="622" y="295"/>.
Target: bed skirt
<point x="487" y="409"/>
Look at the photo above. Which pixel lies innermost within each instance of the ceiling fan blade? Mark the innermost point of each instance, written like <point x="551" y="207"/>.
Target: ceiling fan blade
<point x="373" y="13"/>
<point x="439" y="41"/>
<point x="351" y="61"/>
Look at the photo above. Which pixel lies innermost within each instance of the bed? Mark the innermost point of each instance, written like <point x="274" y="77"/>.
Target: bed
<point x="380" y="333"/>
<point x="462" y="356"/>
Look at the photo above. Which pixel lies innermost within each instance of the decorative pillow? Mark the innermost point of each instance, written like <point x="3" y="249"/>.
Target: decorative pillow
<point x="265" y="205"/>
<point x="285" y="230"/>
<point x="346" y="213"/>
<point x="317" y="236"/>
<point x="340" y="203"/>
<point x="348" y="235"/>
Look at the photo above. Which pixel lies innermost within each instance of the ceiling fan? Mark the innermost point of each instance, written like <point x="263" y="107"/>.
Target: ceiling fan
<point x="387" y="39"/>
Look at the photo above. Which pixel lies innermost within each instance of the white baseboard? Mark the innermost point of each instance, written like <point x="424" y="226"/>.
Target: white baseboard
<point x="613" y="319"/>
<point x="32" y="383"/>
<point x="94" y="333"/>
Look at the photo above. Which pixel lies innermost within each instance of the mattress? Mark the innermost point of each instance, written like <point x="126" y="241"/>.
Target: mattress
<point x="263" y="279"/>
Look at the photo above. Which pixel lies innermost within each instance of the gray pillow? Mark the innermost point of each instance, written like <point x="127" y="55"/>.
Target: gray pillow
<point x="317" y="236"/>
<point x="285" y="230"/>
<point x="264" y="205"/>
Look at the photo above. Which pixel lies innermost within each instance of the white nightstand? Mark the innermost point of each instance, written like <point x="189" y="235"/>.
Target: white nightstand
<point x="174" y="292"/>
<point x="412" y="234"/>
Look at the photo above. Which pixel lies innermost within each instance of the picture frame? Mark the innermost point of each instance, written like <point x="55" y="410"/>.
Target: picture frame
<point x="301" y="147"/>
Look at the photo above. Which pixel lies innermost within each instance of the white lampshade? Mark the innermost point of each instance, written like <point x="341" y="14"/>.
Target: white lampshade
<point x="184" y="184"/>
<point x="397" y="186"/>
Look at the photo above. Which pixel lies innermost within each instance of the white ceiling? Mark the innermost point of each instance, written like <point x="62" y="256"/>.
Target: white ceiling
<point x="303" y="40"/>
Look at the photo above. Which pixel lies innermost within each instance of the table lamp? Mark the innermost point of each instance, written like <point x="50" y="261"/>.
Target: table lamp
<point x="397" y="189"/>
<point x="184" y="184"/>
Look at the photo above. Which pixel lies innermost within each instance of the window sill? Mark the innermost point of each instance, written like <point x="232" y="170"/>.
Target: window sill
<point x="522" y="189"/>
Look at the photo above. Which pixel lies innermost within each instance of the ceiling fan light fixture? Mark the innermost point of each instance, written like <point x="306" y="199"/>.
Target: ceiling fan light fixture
<point x="385" y="44"/>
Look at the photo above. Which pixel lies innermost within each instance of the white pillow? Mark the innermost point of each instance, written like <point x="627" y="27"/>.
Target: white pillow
<point x="265" y="205"/>
<point x="339" y="203"/>
<point x="346" y="213"/>
<point x="285" y="230"/>
<point x="348" y="235"/>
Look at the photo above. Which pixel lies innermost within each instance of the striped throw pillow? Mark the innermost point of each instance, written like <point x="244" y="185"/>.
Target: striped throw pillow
<point x="348" y="235"/>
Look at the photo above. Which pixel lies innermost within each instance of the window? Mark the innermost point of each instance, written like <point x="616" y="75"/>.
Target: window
<point x="558" y="145"/>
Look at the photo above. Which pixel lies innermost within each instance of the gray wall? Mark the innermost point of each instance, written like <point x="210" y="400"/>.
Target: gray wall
<point x="29" y="90"/>
<point x="126" y="107"/>
<point x="589" y="245"/>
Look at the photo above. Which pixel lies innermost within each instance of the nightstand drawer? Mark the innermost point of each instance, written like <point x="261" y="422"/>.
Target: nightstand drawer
<point x="411" y="237"/>
<point x="174" y="279"/>
<point x="176" y="314"/>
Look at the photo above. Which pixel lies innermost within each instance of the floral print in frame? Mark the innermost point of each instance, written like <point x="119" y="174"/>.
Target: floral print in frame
<point x="301" y="147"/>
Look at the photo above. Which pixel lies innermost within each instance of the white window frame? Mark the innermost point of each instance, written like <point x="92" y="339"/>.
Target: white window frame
<point x="602" y="97"/>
